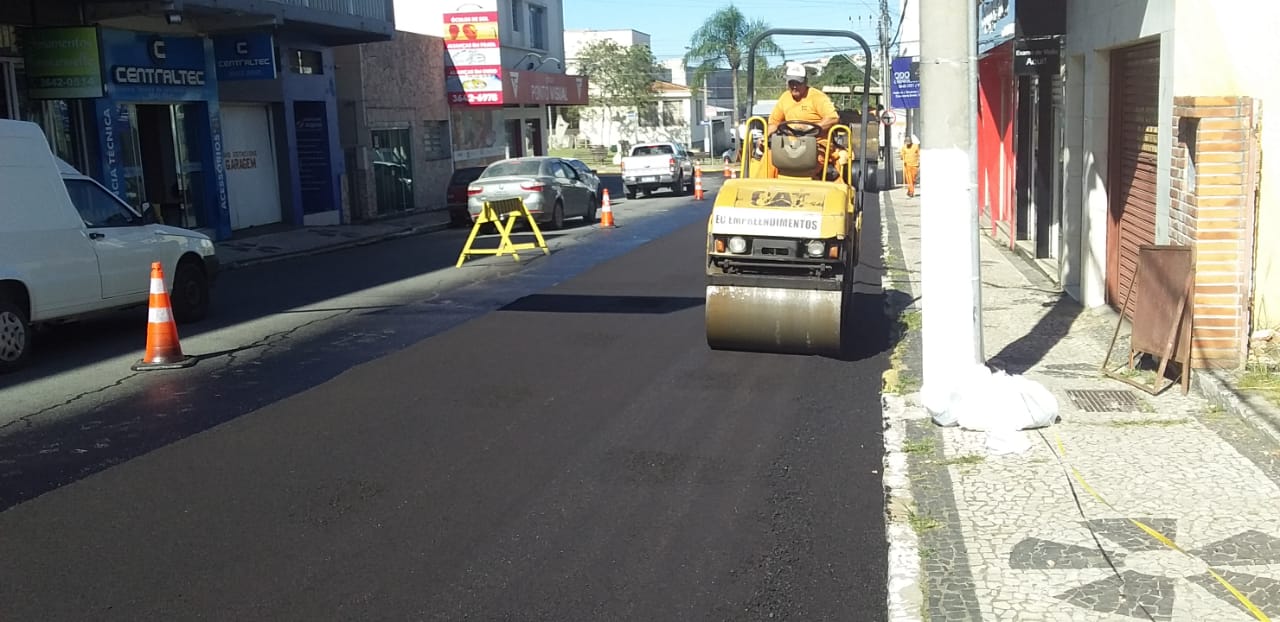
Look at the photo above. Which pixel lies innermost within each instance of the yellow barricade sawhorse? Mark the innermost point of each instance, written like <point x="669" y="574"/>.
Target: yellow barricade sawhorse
<point x="508" y="210"/>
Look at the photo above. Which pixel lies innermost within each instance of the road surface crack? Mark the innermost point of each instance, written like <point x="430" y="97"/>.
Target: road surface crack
<point x="271" y="340"/>
<point x="26" y="420"/>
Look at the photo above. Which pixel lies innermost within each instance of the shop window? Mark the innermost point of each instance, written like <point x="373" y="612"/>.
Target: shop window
<point x="435" y="140"/>
<point x="671" y="114"/>
<point x="537" y="27"/>
<point x="393" y="170"/>
<point x="307" y="62"/>
<point x="649" y="115"/>
<point x="60" y="122"/>
<point x="8" y="93"/>
<point x="97" y="207"/>
<point x="9" y="41"/>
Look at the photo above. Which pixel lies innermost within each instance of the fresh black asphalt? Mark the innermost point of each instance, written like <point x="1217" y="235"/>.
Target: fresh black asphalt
<point x="576" y="454"/>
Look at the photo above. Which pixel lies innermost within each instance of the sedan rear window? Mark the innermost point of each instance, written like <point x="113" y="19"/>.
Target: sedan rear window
<point x="645" y="150"/>
<point x="506" y="168"/>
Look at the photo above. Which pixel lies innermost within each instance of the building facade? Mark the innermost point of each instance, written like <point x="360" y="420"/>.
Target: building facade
<point x="505" y="72"/>
<point x="1163" y="138"/>
<point x="394" y="120"/>
<point x="218" y="114"/>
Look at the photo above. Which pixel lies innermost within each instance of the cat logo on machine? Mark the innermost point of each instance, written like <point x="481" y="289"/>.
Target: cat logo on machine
<point x="767" y="198"/>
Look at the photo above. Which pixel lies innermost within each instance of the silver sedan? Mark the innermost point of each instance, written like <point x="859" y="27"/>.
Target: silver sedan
<point x="552" y="190"/>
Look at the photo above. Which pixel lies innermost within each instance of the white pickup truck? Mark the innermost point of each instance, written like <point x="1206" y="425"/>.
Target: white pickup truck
<point x="650" y="166"/>
<point x="70" y="248"/>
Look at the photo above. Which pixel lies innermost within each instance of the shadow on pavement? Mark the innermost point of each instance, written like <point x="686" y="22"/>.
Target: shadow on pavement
<point x="248" y="294"/>
<point x="1028" y="350"/>
<point x="590" y="303"/>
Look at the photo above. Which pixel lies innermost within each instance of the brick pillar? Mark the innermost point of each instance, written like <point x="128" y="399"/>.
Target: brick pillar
<point x="1212" y="184"/>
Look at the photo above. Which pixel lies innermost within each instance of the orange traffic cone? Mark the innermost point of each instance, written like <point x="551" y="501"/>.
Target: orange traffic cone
<point x="697" y="182"/>
<point x="606" y="211"/>
<point x="727" y="171"/>
<point x="163" y="349"/>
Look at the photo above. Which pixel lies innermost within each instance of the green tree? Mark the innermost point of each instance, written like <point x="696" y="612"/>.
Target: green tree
<point x="770" y="82"/>
<point x="724" y="39"/>
<point x="841" y="71"/>
<point x="621" y="77"/>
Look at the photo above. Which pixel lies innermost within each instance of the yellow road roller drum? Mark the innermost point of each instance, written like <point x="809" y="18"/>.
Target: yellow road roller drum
<point x="780" y="256"/>
<point x="782" y="239"/>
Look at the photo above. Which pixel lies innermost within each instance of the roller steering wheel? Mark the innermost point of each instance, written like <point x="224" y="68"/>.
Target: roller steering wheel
<point x="787" y="128"/>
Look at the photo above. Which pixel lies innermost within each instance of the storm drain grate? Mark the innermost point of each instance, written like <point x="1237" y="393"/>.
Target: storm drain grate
<point x="1103" y="401"/>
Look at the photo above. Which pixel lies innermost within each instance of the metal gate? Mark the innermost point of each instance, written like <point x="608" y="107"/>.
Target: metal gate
<point x="1131" y="186"/>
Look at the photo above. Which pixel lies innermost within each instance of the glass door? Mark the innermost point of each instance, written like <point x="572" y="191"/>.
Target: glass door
<point x="393" y="170"/>
<point x="183" y="142"/>
<point x="130" y="140"/>
<point x="8" y="91"/>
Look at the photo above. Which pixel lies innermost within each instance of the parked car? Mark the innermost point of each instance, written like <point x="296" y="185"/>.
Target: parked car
<point x="456" y="194"/>
<point x="70" y="248"/>
<point x="551" y="188"/>
<point x="651" y="166"/>
<point x="588" y="174"/>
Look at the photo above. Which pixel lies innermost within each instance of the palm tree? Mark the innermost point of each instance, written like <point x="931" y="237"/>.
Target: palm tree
<point x="726" y="38"/>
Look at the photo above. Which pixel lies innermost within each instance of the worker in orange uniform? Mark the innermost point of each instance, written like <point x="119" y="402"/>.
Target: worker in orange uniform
<point x="802" y="102"/>
<point x="910" y="164"/>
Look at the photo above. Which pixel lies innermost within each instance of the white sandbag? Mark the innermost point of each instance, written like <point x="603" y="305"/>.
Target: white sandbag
<point x="993" y="402"/>
<point x="947" y="398"/>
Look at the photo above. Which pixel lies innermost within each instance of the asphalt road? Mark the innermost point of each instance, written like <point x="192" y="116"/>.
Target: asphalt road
<point x="559" y="444"/>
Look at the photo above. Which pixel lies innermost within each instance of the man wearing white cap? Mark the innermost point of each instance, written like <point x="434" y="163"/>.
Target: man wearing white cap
<point x="802" y="102"/>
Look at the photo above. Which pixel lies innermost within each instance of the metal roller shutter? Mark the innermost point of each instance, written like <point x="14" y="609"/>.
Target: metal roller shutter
<point x="1135" y="84"/>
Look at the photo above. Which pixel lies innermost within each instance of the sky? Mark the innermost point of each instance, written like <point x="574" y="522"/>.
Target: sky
<point x="670" y="23"/>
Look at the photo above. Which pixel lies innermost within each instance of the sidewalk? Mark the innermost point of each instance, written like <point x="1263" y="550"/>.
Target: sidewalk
<point x="259" y="248"/>
<point x="1049" y="534"/>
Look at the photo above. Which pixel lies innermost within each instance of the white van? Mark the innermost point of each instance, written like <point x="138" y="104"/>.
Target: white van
<point x="69" y="247"/>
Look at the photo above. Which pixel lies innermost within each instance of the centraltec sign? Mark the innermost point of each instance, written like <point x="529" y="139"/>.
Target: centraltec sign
<point x="146" y="67"/>
<point x="245" y="57"/>
<point x="158" y="75"/>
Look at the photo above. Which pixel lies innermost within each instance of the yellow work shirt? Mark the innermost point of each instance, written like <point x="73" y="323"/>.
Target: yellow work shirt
<point x="813" y="107"/>
<point x="911" y="155"/>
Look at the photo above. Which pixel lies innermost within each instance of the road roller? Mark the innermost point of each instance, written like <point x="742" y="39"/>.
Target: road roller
<point x="783" y="235"/>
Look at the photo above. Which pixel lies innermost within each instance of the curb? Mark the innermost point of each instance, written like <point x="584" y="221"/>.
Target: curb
<point x="374" y="239"/>
<point x="905" y="572"/>
<point x="1254" y="410"/>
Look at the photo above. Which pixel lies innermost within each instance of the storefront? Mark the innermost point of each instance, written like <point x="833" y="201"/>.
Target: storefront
<point x="1020" y="90"/>
<point x="527" y="98"/>
<point x="997" y="109"/>
<point x="280" y="130"/>
<point x="479" y="135"/>
<point x="1132" y="177"/>
<point x="249" y="130"/>
<point x="160" y="137"/>
<point x="50" y="82"/>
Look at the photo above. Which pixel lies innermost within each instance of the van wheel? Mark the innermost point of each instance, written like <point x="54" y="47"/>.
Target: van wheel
<point x="190" y="297"/>
<point x="15" y="336"/>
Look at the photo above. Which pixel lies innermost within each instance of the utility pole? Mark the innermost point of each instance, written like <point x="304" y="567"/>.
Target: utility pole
<point x="886" y="21"/>
<point x="951" y="280"/>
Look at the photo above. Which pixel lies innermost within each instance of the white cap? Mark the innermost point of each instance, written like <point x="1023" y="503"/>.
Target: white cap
<point x="795" y="71"/>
